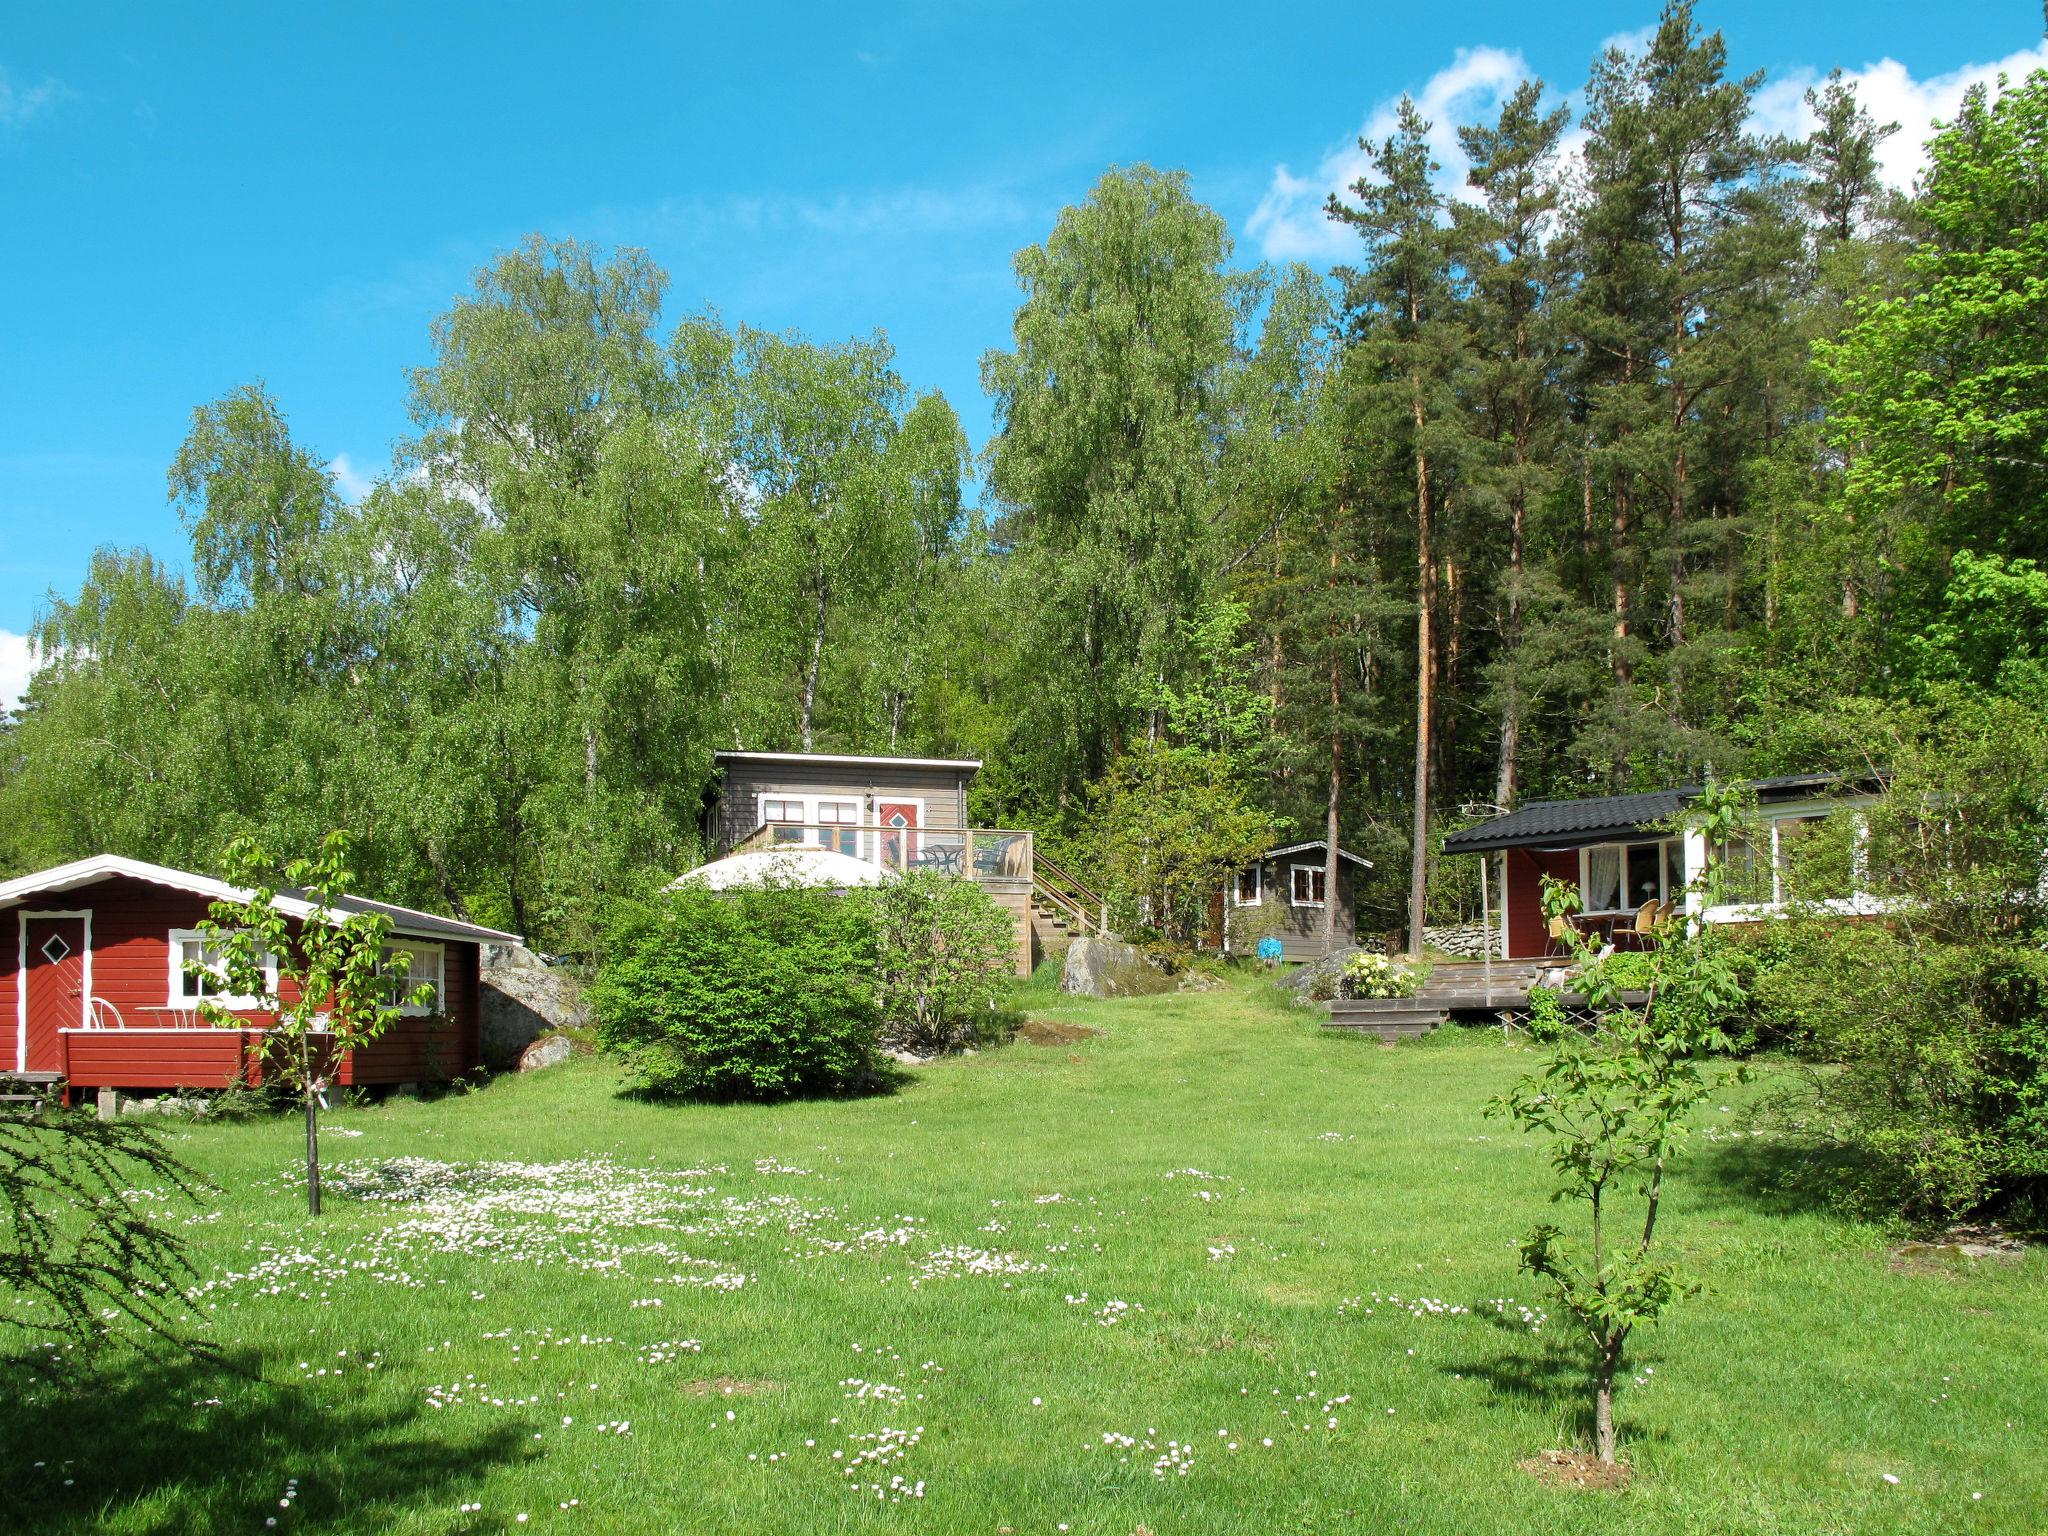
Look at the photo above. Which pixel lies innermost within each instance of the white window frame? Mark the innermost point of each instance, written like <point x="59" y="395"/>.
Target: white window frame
<point x="416" y="948"/>
<point x="1258" y="896"/>
<point x="1314" y="872"/>
<point x="1673" y="855"/>
<point x="180" y="997"/>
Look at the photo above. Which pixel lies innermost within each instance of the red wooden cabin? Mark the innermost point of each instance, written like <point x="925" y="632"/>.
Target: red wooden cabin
<point x="1622" y="854"/>
<point x="97" y="989"/>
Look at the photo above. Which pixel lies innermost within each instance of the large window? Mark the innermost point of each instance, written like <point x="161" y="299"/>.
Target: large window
<point x="1249" y="891"/>
<point x="1762" y="859"/>
<point x="1620" y="877"/>
<point x="822" y="821"/>
<point x="1305" y="885"/>
<point x="839" y="825"/>
<point x="428" y="969"/>
<point x="198" y="976"/>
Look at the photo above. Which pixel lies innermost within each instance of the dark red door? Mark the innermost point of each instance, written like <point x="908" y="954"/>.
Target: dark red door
<point x="899" y="819"/>
<point x="54" y="986"/>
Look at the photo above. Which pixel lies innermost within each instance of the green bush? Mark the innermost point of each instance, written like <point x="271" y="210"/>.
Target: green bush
<point x="1942" y="1056"/>
<point x="1549" y="1019"/>
<point x="1371" y="975"/>
<point x="945" y="956"/>
<point x="760" y="993"/>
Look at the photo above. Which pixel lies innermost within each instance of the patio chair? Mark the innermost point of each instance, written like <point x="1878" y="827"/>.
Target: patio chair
<point x="994" y="858"/>
<point x="1553" y="942"/>
<point x="1640" y="932"/>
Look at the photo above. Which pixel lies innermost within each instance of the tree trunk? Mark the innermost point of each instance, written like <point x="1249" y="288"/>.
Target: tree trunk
<point x="1603" y="1410"/>
<point x="312" y="1150"/>
<point x="1336" y="756"/>
<point x="810" y="698"/>
<point x="1425" y="666"/>
<point x="1508" y="771"/>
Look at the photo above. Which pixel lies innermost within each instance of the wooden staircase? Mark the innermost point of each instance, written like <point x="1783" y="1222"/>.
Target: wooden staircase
<point x="1062" y="908"/>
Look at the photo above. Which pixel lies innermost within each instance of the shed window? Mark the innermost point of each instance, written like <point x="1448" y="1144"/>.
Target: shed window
<point x="428" y="968"/>
<point x="198" y="975"/>
<point x="1250" y="889"/>
<point x="1305" y="885"/>
<point x="839" y="825"/>
<point x="786" y="818"/>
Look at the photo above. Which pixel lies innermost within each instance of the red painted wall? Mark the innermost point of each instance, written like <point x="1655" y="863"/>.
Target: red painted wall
<point x="1526" y="869"/>
<point x="131" y="927"/>
<point x="10" y="950"/>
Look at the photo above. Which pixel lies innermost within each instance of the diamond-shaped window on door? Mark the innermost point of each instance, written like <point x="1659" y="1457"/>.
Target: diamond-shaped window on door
<point x="55" y="949"/>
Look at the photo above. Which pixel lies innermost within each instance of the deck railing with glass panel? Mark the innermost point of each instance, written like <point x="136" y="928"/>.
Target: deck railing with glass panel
<point x="980" y="853"/>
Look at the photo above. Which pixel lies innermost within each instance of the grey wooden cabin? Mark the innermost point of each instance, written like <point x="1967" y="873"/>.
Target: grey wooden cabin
<point x="900" y="812"/>
<point x="836" y="800"/>
<point x="1283" y="895"/>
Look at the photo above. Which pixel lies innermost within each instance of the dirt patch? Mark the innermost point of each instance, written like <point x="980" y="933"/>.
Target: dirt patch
<point x="1052" y="1032"/>
<point x="1576" y="1469"/>
<point x="1959" y="1248"/>
<point x="729" y="1386"/>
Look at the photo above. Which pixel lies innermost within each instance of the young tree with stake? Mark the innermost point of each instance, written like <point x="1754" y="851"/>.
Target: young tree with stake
<point x="335" y="989"/>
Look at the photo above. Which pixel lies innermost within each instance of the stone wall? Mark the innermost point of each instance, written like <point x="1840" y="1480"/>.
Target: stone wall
<point x="1467" y="941"/>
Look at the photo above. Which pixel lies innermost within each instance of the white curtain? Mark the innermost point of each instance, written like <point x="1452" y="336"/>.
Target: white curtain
<point x="1603" y="878"/>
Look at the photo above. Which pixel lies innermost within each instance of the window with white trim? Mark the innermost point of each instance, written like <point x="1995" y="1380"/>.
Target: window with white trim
<point x="1621" y="877"/>
<point x="820" y="821"/>
<point x="1249" y="890"/>
<point x="1305" y="885"/>
<point x="428" y="968"/>
<point x="786" y="819"/>
<point x="199" y="976"/>
<point x="839" y="826"/>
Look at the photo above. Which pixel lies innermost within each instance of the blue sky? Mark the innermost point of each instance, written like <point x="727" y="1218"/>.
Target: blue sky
<point x="195" y="197"/>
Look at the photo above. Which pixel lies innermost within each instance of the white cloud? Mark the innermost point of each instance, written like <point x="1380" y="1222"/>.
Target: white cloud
<point x="1890" y="94"/>
<point x="1635" y="40"/>
<point x="353" y="484"/>
<point x="17" y="664"/>
<point x="1289" y="224"/>
<point x="19" y="103"/>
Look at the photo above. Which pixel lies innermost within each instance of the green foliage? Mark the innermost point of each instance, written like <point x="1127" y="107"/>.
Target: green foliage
<point x="752" y="993"/>
<point x="1614" y="1101"/>
<point x="80" y="1246"/>
<point x="1941" y="1062"/>
<point x="327" y="978"/>
<point x="1171" y="824"/>
<point x="1934" y="1020"/>
<point x="1111" y="410"/>
<point x="1371" y="975"/>
<point x="945" y="954"/>
<point x="1941" y="393"/>
<point x="1549" y="1019"/>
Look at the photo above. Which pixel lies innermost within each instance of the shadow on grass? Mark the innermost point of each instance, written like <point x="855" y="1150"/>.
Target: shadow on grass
<point x="1547" y="1373"/>
<point x="180" y="1446"/>
<point x="882" y="1080"/>
<point x="1780" y="1175"/>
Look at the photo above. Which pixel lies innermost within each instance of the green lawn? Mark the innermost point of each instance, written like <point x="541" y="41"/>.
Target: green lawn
<point x="926" y="1287"/>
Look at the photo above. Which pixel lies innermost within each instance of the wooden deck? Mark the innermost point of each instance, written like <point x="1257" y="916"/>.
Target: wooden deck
<point x="1469" y="990"/>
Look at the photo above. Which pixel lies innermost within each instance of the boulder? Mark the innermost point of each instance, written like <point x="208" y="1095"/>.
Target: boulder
<point x="547" y="1051"/>
<point x="1108" y="967"/>
<point x="523" y="999"/>
<point x="1303" y="977"/>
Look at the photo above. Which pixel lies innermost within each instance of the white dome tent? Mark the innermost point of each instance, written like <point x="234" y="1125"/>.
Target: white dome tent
<point x="798" y="864"/>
